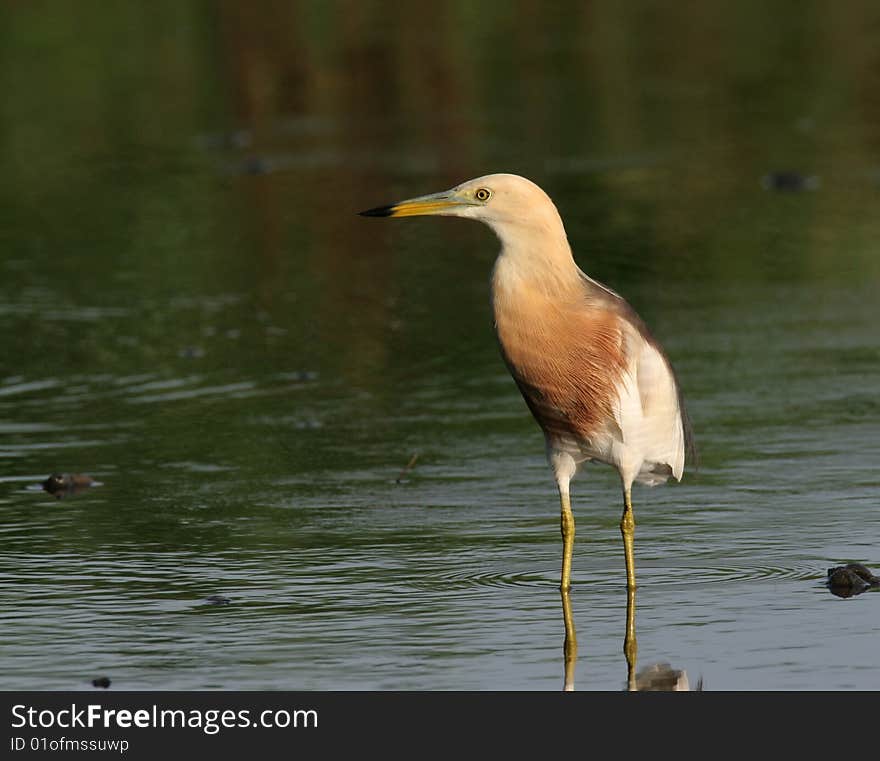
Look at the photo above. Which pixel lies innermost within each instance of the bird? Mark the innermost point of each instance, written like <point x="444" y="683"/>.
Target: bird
<point x="595" y="379"/>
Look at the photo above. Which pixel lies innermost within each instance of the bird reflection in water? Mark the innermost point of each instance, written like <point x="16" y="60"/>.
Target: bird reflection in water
<point x="661" y="677"/>
<point x="595" y="379"/>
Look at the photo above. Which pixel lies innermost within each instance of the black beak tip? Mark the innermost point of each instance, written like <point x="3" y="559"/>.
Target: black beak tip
<point x="379" y="211"/>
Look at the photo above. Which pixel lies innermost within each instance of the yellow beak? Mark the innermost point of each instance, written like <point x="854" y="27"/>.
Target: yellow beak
<point x="436" y="203"/>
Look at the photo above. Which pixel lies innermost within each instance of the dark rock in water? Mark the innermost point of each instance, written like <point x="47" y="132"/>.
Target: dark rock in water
<point x="63" y="484"/>
<point x="789" y="182"/>
<point x="863" y="572"/>
<point x="217" y="600"/>
<point x="851" y="579"/>
<point x="101" y="681"/>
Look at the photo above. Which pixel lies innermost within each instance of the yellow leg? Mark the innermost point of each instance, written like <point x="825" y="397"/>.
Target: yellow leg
<point x="567" y="524"/>
<point x="630" y="647"/>
<point x="570" y="646"/>
<point x="628" y="529"/>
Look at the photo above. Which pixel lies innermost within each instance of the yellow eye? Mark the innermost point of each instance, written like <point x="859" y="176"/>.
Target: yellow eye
<point x="483" y="194"/>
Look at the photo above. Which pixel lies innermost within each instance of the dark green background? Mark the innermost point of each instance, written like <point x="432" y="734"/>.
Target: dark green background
<point x="194" y="315"/>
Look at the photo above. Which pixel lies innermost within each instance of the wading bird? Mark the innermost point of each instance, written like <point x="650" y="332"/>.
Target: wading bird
<point x="593" y="376"/>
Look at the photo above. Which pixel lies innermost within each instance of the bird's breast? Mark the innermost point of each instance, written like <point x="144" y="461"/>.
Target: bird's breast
<point x="566" y="354"/>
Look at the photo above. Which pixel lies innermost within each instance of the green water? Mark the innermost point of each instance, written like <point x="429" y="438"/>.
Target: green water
<point x="194" y="315"/>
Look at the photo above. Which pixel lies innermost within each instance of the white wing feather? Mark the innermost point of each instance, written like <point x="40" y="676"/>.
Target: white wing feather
<point x="649" y="418"/>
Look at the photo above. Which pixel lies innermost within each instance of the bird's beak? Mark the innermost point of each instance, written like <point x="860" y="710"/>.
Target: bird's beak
<point x="447" y="202"/>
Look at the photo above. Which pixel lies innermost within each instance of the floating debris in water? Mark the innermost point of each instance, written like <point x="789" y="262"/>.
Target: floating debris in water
<point x="790" y="182"/>
<point x="308" y="425"/>
<point x="65" y="484"/>
<point x="661" y="677"/>
<point x="217" y="600"/>
<point x="407" y="468"/>
<point x="101" y="681"/>
<point x="851" y="579"/>
<point x="299" y="376"/>
<point x="191" y="352"/>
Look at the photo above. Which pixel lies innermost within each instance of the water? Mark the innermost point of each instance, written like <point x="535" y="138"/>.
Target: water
<point x="195" y="317"/>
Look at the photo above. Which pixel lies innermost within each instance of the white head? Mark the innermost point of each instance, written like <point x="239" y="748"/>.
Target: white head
<point x="520" y="213"/>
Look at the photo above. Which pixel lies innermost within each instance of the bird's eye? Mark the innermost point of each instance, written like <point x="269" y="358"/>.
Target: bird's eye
<point x="483" y="194"/>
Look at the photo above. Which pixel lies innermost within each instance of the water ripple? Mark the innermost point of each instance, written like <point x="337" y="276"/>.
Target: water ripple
<point x="204" y="391"/>
<point x="455" y="581"/>
<point x="613" y="577"/>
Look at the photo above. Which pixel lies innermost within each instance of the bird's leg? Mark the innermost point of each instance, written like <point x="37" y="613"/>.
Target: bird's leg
<point x="567" y="525"/>
<point x="628" y="529"/>
<point x="569" y="648"/>
<point x="630" y="647"/>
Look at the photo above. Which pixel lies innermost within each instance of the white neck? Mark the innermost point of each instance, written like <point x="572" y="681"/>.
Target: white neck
<point x="535" y="254"/>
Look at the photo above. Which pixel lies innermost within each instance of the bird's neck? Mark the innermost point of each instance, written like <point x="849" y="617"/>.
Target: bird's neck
<point x="536" y="262"/>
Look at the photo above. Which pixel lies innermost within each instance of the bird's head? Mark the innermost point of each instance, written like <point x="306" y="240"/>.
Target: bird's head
<point x="508" y="203"/>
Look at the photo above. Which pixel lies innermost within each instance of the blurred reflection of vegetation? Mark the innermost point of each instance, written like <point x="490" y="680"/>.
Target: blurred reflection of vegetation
<point x="651" y="124"/>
